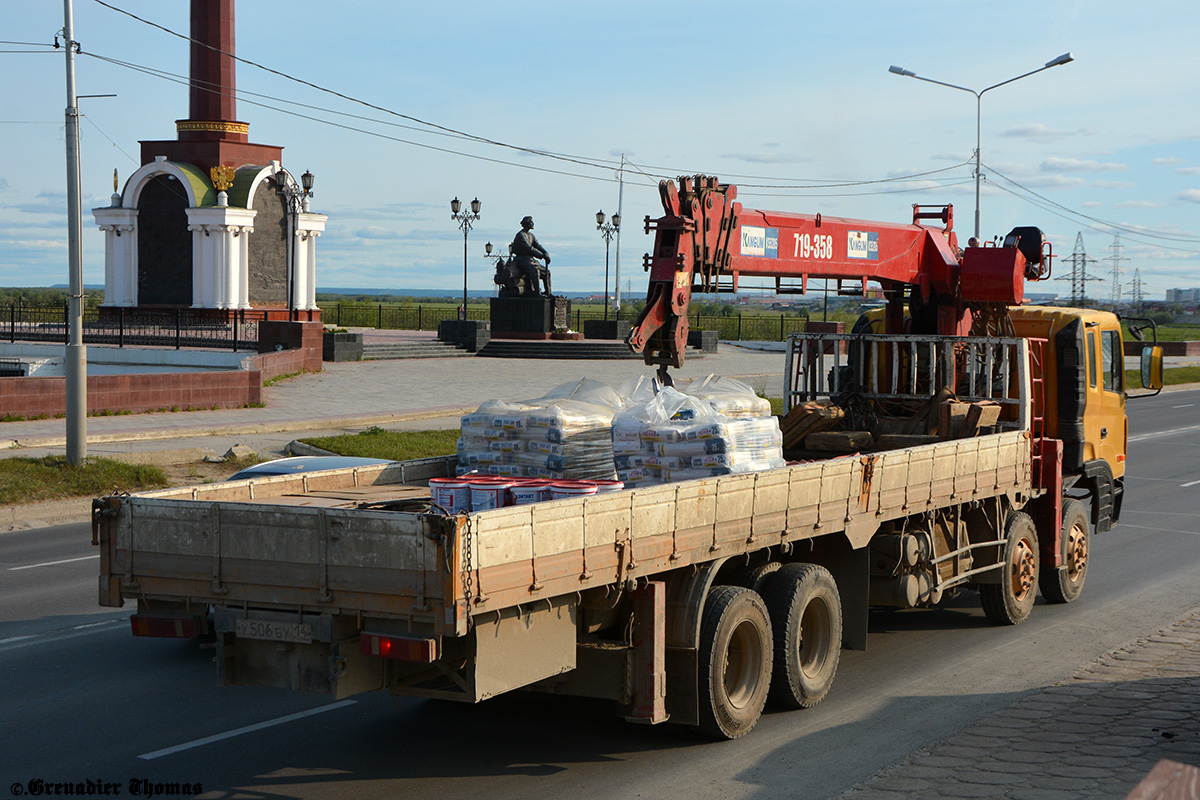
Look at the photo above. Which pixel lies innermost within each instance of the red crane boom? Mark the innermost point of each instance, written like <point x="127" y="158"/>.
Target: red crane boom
<point x="706" y="242"/>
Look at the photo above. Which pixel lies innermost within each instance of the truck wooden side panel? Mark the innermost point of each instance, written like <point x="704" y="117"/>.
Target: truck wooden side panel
<point x="276" y="552"/>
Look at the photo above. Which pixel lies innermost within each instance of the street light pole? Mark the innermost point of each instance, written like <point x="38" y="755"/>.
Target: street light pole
<point x="295" y="198"/>
<point x="1065" y="58"/>
<point x="607" y="230"/>
<point x="464" y="220"/>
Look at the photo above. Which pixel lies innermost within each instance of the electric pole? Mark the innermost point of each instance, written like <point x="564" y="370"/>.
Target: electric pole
<point x="1116" y="258"/>
<point x="76" y="350"/>
<point x="1079" y="275"/>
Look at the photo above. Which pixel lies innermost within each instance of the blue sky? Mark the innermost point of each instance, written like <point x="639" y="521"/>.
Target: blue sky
<point x="768" y="94"/>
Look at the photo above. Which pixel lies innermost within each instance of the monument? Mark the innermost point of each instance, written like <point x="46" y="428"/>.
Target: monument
<point x="212" y="221"/>
<point x="521" y="311"/>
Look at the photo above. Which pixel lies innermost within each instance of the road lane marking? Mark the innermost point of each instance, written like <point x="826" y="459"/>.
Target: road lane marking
<point x="47" y="637"/>
<point x="1160" y="530"/>
<point x="1186" y="485"/>
<point x="1157" y="434"/>
<point x="1185" y="405"/>
<point x="248" y="729"/>
<point x="54" y="563"/>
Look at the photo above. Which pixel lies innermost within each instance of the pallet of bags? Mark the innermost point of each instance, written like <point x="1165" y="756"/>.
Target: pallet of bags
<point x="727" y="396"/>
<point x="567" y="434"/>
<point x="676" y="436"/>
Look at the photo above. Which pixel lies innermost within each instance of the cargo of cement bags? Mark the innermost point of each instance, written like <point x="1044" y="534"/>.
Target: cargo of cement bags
<point x="676" y="436"/>
<point x="566" y="434"/>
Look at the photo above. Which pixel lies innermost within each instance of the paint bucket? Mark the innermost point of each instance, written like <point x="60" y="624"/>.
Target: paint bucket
<point x="609" y="486"/>
<point x="489" y="493"/>
<point x="534" y="490"/>
<point x="563" y="489"/>
<point x="452" y="494"/>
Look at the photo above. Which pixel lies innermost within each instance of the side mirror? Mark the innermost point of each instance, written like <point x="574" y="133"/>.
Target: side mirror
<point x="1152" y="367"/>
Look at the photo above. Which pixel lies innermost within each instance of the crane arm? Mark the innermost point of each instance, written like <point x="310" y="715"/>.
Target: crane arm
<point x="706" y="242"/>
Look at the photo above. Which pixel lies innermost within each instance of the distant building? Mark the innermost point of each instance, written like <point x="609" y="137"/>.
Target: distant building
<point x="1183" y="295"/>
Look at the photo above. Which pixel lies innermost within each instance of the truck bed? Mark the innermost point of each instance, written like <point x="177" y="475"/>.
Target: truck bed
<point x="307" y="543"/>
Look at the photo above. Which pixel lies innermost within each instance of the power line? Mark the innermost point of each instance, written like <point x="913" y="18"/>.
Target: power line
<point x="581" y="160"/>
<point x="1112" y="225"/>
<point x="366" y="132"/>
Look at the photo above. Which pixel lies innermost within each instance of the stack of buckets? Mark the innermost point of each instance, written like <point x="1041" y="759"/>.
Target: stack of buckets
<point x="486" y="492"/>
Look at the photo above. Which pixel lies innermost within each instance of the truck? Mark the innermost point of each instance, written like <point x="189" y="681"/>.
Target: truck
<point x="699" y="601"/>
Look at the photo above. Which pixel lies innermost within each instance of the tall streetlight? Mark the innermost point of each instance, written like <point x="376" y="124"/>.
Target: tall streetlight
<point x="464" y="220"/>
<point x="295" y="199"/>
<point x="607" y="230"/>
<point x="1065" y="58"/>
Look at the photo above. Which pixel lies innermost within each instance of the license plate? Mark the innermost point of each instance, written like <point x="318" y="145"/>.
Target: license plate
<point x="299" y="632"/>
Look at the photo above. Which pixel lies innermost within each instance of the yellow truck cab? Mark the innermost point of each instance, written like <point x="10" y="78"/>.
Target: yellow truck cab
<point x="1083" y="403"/>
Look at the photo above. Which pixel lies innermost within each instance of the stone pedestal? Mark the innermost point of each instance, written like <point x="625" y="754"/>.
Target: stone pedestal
<point x="339" y="346"/>
<point x="469" y="333"/>
<point x="529" y="317"/>
<point x="605" y="329"/>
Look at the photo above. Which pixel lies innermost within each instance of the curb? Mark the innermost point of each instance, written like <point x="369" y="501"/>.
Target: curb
<point x="321" y="423"/>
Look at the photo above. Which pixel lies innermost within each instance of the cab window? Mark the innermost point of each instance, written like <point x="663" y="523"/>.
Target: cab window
<point x="1112" y="362"/>
<point x="1091" y="358"/>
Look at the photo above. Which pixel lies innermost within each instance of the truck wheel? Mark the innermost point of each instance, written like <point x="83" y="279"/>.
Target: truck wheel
<point x="1066" y="584"/>
<point x="735" y="661"/>
<point x="806" y="615"/>
<point x="756" y="577"/>
<point x="1010" y="601"/>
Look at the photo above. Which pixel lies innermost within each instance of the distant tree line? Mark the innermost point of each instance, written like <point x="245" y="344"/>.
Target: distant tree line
<point x="32" y="296"/>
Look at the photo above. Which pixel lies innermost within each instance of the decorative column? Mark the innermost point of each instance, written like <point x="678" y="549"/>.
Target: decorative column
<point x="304" y="280"/>
<point x="220" y="248"/>
<point x="120" y="254"/>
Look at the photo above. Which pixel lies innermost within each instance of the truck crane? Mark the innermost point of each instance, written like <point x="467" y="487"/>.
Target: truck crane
<point x="689" y="601"/>
<point x="706" y="242"/>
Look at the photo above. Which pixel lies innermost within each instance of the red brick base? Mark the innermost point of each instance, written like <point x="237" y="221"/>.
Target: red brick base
<point x="140" y="392"/>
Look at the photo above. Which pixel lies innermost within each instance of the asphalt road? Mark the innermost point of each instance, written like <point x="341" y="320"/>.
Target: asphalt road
<point x="83" y="700"/>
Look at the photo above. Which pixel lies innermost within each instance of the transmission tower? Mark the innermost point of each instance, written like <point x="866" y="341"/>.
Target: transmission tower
<point x="1079" y="275"/>
<point x="1135" y="287"/>
<point x="1116" y="258"/>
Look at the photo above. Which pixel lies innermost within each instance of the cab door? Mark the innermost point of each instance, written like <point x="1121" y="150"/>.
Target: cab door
<point x="1112" y="429"/>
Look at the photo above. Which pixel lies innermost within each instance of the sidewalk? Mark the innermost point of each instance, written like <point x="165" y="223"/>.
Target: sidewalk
<point x="357" y="395"/>
<point x="1095" y="735"/>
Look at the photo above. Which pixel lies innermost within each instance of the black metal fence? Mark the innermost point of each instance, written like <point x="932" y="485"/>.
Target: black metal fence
<point x="736" y="327"/>
<point x="134" y="327"/>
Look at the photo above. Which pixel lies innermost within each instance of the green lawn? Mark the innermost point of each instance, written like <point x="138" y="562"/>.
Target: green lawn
<point x="394" y="445"/>
<point x="32" y="480"/>
<point x="1171" y="377"/>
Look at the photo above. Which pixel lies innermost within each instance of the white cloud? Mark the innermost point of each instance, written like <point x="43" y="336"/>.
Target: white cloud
<point x="1188" y="171"/>
<point x="766" y="158"/>
<point x="1135" y="204"/>
<point x="1033" y="131"/>
<point x="1189" y="195"/>
<point x="1091" y="204"/>
<point x="376" y="232"/>
<point x="1079" y="165"/>
<point x="1165" y="162"/>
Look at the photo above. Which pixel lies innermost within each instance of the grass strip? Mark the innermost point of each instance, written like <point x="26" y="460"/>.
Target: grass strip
<point x="1173" y="376"/>
<point x="394" y="445"/>
<point x="32" y="480"/>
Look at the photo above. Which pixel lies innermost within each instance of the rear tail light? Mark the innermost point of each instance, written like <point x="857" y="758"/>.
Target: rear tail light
<point x="400" y="648"/>
<point x="166" y="626"/>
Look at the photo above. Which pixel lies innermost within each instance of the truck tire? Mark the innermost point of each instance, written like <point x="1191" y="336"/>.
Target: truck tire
<point x="806" y="615"/>
<point x="1065" y="584"/>
<point x="1010" y="601"/>
<point x="735" y="661"/>
<point x="756" y="578"/>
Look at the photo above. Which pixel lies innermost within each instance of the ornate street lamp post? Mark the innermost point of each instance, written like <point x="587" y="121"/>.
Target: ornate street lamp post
<point x="464" y="219"/>
<point x="607" y="230"/>
<point x="295" y="198"/>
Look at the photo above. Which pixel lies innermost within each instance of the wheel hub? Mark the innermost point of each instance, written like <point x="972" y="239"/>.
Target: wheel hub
<point x="1077" y="553"/>
<point x="1023" y="569"/>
